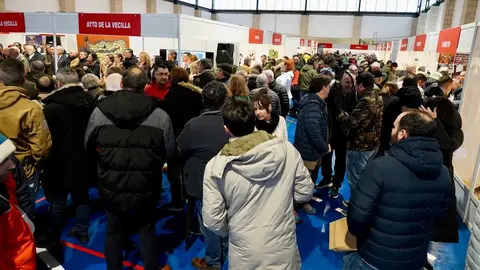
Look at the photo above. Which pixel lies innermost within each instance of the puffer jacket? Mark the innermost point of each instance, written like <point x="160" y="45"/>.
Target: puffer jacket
<point x="203" y="78"/>
<point x="365" y="122"/>
<point x="248" y="194"/>
<point x="24" y="123"/>
<point x="306" y="76"/>
<point x="283" y="95"/>
<point x="394" y="207"/>
<point x="473" y="252"/>
<point x="129" y="139"/>
<point x="313" y="132"/>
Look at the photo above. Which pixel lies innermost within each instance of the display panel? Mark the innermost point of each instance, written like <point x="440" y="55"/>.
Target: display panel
<point x="465" y="157"/>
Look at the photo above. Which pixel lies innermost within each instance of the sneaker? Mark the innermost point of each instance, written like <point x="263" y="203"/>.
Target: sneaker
<point x="201" y="264"/>
<point x="333" y="192"/>
<point x="307" y="208"/>
<point x="346" y="203"/>
<point x="82" y="238"/>
<point x="325" y="183"/>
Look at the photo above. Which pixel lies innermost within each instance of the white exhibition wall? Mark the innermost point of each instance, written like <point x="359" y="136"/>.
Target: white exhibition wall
<point x="92" y="6"/>
<point x="330" y="26"/>
<point x="235" y="18"/>
<point x="385" y="28"/>
<point x="33" y="5"/>
<point x="134" y="6"/>
<point x="282" y="23"/>
<point x="164" y="6"/>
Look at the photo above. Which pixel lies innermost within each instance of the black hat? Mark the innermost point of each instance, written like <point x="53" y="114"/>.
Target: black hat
<point x="226" y="68"/>
<point x="410" y="97"/>
<point x="377" y="74"/>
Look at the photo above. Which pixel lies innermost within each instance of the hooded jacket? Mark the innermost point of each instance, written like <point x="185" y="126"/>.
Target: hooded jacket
<point x="67" y="112"/>
<point x="392" y="214"/>
<point x="203" y="78"/>
<point x="248" y="194"/>
<point x="306" y="76"/>
<point x="312" y="134"/>
<point x="24" y="123"/>
<point x="365" y="122"/>
<point x="129" y="139"/>
<point x="182" y="103"/>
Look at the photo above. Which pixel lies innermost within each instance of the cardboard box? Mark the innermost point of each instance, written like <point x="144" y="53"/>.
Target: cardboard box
<point x="340" y="240"/>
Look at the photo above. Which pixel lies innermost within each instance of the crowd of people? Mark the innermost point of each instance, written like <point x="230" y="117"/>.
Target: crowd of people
<point x="221" y="136"/>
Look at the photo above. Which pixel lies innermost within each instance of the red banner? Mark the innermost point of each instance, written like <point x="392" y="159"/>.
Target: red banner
<point x="358" y="47"/>
<point x="309" y="43"/>
<point x="302" y="42"/>
<point x="448" y="40"/>
<point x="419" y="45"/>
<point x="255" y="36"/>
<point x="325" y="45"/>
<point x="109" y="24"/>
<point x="404" y="44"/>
<point x="389" y="46"/>
<point x="12" y="22"/>
<point x="277" y="39"/>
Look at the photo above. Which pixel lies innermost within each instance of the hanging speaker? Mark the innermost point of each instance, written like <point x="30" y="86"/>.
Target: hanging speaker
<point x="225" y="53"/>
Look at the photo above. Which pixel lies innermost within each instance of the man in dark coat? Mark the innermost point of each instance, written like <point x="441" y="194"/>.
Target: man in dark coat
<point x="130" y="59"/>
<point x="131" y="138"/>
<point x="201" y="139"/>
<point x="224" y="71"/>
<point x="450" y="137"/>
<point x="313" y="132"/>
<point x="205" y="73"/>
<point x="37" y="71"/>
<point x="67" y="112"/>
<point x="398" y="198"/>
<point x="342" y="97"/>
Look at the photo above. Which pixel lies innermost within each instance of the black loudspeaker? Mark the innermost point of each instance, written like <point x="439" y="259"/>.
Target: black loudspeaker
<point x="210" y="55"/>
<point x="225" y="53"/>
<point x="163" y="54"/>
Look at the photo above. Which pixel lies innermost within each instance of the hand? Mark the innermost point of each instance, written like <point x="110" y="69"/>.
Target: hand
<point x="85" y="67"/>
<point x="329" y="148"/>
<point x="429" y="111"/>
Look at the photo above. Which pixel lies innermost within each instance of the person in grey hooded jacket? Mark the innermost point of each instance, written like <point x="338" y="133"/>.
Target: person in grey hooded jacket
<point x="248" y="193"/>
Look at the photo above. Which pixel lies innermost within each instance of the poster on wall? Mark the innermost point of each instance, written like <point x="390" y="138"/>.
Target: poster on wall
<point x="302" y="42"/>
<point x="103" y="45"/>
<point x="35" y="40"/>
<point x="273" y="54"/>
<point x="460" y="62"/>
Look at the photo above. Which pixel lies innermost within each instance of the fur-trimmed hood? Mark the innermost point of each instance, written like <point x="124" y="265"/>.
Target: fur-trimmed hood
<point x="192" y="87"/>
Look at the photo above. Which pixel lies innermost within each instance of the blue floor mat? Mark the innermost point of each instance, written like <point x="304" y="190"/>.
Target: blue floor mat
<point x="312" y="237"/>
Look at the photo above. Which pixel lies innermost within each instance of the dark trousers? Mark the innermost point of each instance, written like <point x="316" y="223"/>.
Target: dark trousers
<point x="340" y="164"/>
<point x="119" y="228"/>
<point x="58" y="205"/>
<point x="174" y="174"/>
<point x="296" y="96"/>
<point x="33" y="187"/>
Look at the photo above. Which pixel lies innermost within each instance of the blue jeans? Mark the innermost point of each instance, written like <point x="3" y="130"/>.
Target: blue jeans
<point x="356" y="162"/>
<point x="216" y="247"/>
<point x="58" y="204"/>
<point x="353" y="261"/>
<point x="33" y="186"/>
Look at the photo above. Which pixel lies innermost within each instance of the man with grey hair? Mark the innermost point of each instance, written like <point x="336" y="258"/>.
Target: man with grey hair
<point x="15" y="53"/>
<point x="32" y="54"/>
<point x="280" y="91"/>
<point x="205" y="75"/>
<point x="262" y="83"/>
<point x="63" y="60"/>
<point x="67" y="111"/>
<point x="411" y="69"/>
<point x="138" y="137"/>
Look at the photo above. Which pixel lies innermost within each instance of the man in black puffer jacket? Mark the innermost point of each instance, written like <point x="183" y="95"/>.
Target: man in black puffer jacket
<point x="131" y="139"/>
<point x="392" y="214"/>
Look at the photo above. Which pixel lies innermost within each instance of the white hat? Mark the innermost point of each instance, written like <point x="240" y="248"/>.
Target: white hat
<point x="6" y="148"/>
<point x="114" y="82"/>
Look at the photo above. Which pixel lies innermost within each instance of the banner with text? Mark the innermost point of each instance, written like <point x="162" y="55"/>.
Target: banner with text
<point x="277" y="39"/>
<point x="12" y="22"/>
<point x="358" y="47"/>
<point x="302" y="42"/>
<point x="404" y="44"/>
<point x="419" y="45"/>
<point x="448" y="40"/>
<point x="325" y="45"/>
<point x="255" y="36"/>
<point x="389" y="46"/>
<point x="109" y="24"/>
<point x="309" y="43"/>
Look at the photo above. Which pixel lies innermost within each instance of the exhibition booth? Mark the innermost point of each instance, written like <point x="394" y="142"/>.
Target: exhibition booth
<point x="151" y="33"/>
